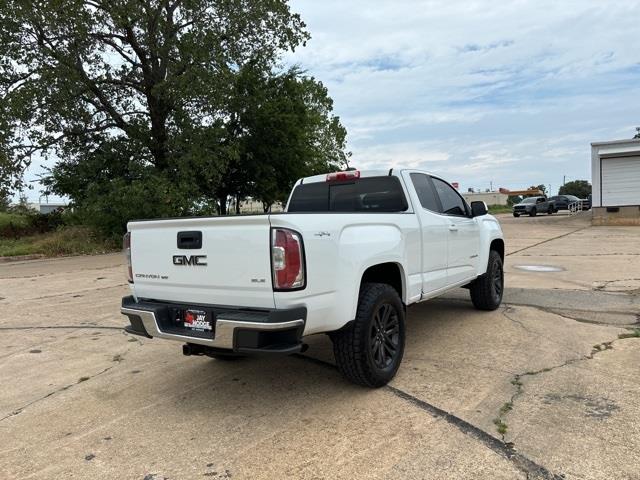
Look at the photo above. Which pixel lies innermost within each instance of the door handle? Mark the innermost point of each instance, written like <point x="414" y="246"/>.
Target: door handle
<point x="453" y="228"/>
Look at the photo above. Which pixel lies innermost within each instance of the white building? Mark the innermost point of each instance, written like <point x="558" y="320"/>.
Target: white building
<point x="46" y="207"/>
<point x="615" y="172"/>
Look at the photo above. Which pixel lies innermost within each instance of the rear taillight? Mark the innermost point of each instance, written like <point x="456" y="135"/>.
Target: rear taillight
<point x="287" y="259"/>
<point x="126" y="247"/>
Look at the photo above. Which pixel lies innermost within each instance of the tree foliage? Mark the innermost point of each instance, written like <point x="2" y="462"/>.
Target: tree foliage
<point x="178" y="97"/>
<point x="283" y="130"/>
<point x="513" y="199"/>
<point x="4" y="202"/>
<point x="578" y="188"/>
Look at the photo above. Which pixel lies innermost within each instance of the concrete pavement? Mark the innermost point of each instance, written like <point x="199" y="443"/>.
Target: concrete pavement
<point x="545" y="387"/>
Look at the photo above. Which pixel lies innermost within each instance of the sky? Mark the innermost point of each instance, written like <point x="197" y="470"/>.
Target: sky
<point x="485" y="93"/>
<point x="495" y="94"/>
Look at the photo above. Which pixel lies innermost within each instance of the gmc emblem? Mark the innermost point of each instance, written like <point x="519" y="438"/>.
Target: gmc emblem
<point x="196" y="260"/>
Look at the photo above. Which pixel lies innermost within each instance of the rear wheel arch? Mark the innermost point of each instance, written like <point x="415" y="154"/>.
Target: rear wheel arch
<point x="390" y="273"/>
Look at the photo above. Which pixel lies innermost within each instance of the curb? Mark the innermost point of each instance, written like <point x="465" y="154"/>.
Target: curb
<point x="21" y="258"/>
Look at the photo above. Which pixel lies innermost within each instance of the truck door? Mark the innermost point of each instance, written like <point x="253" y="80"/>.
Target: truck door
<point x="463" y="248"/>
<point x="434" y="232"/>
<point x="543" y="204"/>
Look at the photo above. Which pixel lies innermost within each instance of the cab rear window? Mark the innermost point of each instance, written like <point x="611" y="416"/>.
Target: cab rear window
<point x="370" y="194"/>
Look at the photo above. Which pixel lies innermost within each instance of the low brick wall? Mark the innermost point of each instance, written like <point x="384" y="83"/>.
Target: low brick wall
<point x="624" y="216"/>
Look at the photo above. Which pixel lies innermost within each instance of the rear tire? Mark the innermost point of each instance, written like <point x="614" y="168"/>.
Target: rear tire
<point x="486" y="291"/>
<point x="369" y="351"/>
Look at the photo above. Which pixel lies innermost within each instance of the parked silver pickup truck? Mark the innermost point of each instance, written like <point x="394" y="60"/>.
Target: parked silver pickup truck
<point x="533" y="205"/>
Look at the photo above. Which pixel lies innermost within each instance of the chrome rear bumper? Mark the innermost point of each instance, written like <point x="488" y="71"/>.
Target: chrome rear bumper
<point x="145" y="321"/>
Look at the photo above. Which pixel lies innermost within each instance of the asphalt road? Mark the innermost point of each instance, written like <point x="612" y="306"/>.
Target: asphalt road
<point x="545" y="387"/>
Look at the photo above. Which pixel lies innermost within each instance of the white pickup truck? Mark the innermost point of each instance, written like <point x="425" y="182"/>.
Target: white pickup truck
<point x="351" y="251"/>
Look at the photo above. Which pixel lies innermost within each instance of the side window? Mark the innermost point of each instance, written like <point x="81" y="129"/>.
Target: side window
<point x="452" y="202"/>
<point x="425" y="192"/>
<point x="541" y="200"/>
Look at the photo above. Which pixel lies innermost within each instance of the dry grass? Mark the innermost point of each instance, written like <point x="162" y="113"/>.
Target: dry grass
<point x="64" y="241"/>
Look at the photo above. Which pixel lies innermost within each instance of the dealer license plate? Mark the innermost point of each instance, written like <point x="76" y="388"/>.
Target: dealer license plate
<point x="197" y="320"/>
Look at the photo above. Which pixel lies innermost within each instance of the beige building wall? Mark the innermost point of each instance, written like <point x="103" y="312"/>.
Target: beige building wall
<point x="490" y="198"/>
<point x="252" y="206"/>
<point x="626" y="215"/>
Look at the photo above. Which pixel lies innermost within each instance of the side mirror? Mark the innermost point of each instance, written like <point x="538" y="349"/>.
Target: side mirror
<point x="478" y="209"/>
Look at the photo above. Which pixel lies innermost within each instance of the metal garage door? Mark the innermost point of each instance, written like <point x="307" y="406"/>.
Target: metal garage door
<point x="620" y="181"/>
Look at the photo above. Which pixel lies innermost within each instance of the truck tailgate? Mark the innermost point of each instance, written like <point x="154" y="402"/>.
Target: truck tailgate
<point x="233" y="265"/>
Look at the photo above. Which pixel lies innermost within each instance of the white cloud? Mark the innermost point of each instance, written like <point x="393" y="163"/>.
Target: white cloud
<point x="479" y="91"/>
<point x="511" y="92"/>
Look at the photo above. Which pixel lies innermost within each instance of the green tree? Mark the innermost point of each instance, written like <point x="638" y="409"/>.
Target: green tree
<point x="513" y="199"/>
<point x="284" y="129"/>
<point x="579" y="188"/>
<point x="4" y="202"/>
<point x="76" y="75"/>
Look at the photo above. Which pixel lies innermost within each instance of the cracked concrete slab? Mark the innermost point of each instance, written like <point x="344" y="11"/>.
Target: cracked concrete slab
<point x="580" y="305"/>
<point x="79" y="398"/>
<point x="584" y="416"/>
<point x="270" y="418"/>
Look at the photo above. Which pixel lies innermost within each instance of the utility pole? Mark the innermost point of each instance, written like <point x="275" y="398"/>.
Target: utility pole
<point x="564" y="180"/>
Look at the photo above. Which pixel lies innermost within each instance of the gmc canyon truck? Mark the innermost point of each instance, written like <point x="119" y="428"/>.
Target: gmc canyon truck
<point x="351" y="251"/>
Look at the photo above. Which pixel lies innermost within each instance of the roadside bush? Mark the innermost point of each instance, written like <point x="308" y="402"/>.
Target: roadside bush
<point x="21" y="222"/>
<point x="14" y="225"/>
<point x="67" y="240"/>
<point x="108" y="207"/>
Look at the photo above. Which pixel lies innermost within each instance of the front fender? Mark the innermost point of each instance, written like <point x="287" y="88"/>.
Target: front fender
<point x="490" y="230"/>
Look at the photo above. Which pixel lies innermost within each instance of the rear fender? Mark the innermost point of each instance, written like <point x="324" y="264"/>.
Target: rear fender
<point x="338" y="257"/>
<point x="367" y="246"/>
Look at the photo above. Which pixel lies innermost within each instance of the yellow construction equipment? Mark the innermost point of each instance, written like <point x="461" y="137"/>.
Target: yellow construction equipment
<point x="525" y="193"/>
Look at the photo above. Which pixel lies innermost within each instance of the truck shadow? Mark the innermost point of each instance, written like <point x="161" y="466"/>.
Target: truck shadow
<point x="264" y="386"/>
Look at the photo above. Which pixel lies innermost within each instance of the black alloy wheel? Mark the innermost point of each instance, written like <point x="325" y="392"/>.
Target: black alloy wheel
<point x="369" y="350"/>
<point x="497" y="282"/>
<point x="384" y="336"/>
<point x="487" y="290"/>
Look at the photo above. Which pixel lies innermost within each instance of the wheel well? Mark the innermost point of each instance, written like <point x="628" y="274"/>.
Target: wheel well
<point x="498" y="246"/>
<point x="388" y="273"/>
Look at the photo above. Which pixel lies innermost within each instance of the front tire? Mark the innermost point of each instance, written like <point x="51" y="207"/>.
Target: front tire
<point x="369" y="351"/>
<point x="532" y="212"/>
<point x="516" y="214"/>
<point x="486" y="291"/>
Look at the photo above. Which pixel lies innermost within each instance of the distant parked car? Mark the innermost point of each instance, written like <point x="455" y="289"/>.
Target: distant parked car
<point x="533" y="205"/>
<point x="562" y="202"/>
